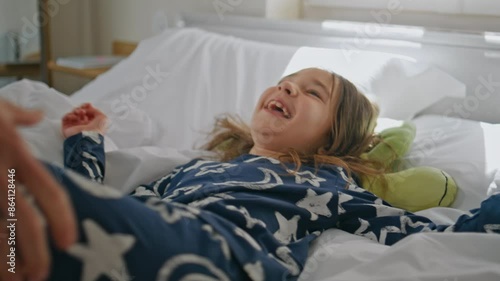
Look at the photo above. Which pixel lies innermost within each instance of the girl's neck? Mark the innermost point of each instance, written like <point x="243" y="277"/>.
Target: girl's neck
<point x="264" y="152"/>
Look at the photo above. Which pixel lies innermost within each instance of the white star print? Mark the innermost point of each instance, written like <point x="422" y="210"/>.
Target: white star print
<point x="343" y="198"/>
<point x="205" y="201"/>
<point x="287" y="228"/>
<point x="260" y="185"/>
<point x="95" y="162"/>
<point x="142" y="191"/>
<point x="103" y="253"/>
<point x="283" y="254"/>
<point x="316" y="204"/>
<point x="406" y="221"/>
<point x="255" y="271"/>
<point x="216" y="169"/>
<point x="351" y="184"/>
<point x="240" y="232"/>
<point x="272" y="160"/>
<point x="92" y="135"/>
<point x="167" y="177"/>
<point x="315" y="233"/>
<point x="354" y="187"/>
<point x="169" y="267"/>
<point x="216" y="236"/>
<point x="186" y="190"/>
<point x="170" y="215"/>
<point x="250" y="221"/>
<point x="492" y="228"/>
<point x="385" y="230"/>
<point x="214" y="198"/>
<point x="187" y="208"/>
<point x="307" y="176"/>
<point x="344" y="176"/>
<point x="385" y="211"/>
<point x="196" y="165"/>
<point x="363" y="226"/>
<point x="121" y="275"/>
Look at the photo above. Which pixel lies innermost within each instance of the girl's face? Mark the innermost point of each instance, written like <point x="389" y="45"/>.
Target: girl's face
<point x="294" y="114"/>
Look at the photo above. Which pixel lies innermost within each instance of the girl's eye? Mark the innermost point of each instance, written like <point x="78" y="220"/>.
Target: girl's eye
<point x="314" y="94"/>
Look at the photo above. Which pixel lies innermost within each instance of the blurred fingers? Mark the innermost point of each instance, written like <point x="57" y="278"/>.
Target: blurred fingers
<point x="52" y="199"/>
<point x="70" y="117"/>
<point x="33" y="241"/>
<point x="19" y="115"/>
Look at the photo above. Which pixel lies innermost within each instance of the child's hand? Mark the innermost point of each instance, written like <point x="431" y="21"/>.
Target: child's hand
<point x="84" y="118"/>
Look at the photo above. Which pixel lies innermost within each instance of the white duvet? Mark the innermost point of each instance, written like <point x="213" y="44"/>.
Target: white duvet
<point x="335" y="255"/>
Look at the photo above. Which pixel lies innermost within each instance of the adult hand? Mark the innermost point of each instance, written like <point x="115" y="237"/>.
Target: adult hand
<point x="19" y="167"/>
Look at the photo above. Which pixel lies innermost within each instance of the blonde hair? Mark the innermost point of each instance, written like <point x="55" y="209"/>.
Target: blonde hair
<point x="352" y="133"/>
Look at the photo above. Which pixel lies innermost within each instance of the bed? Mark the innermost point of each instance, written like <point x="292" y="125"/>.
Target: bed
<point x="162" y="99"/>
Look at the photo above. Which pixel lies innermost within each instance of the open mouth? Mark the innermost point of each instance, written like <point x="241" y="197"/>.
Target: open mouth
<point x="277" y="106"/>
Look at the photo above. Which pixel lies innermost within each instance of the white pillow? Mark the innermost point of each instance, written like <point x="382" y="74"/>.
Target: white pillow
<point x="196" y="76"/>
<point x="467" y="150"/>
<point x="401" y="86"/>
<point x="130" y="127"/>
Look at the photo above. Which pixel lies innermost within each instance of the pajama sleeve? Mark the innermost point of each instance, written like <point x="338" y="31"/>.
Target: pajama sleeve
<point x="84" y="153"/>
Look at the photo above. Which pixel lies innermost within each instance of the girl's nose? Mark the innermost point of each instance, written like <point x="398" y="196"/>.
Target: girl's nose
<point x="288" y="88"/>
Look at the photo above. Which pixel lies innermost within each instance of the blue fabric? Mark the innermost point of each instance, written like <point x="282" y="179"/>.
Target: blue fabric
<point x="248" y="219"/>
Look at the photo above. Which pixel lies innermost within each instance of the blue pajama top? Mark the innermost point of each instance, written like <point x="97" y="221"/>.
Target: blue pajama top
<point x="261" y="215"/>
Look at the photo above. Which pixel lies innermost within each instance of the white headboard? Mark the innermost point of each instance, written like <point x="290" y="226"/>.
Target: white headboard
<point x="473" y="58"/>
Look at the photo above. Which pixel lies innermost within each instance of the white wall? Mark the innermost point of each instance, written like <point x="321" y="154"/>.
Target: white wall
<point x="13" y="15"/>
<point x="133" y="20"/>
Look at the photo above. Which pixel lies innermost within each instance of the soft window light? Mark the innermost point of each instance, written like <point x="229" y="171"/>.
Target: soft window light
<point x="378" y="30"/>
<point x="492" y="37"/>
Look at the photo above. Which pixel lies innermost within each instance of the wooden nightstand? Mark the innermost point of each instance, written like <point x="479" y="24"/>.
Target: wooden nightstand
<point x="120" y="48"/>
